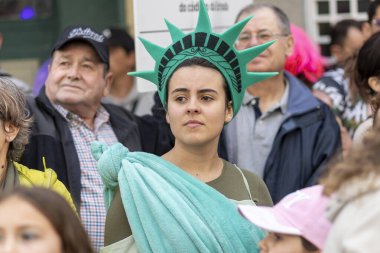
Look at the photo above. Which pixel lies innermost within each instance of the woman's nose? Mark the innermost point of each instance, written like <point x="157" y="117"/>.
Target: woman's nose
<point x="193" y="106"/>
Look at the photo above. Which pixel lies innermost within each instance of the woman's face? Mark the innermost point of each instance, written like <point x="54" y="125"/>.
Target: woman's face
<point x="281" y="243"/>
<point x="196" y="109"/>
<point x="23" y="229"/>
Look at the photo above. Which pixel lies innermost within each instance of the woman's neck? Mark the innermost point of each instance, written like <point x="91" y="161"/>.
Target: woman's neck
<point x="201" y="162"/>
<point x="3" y="167"/>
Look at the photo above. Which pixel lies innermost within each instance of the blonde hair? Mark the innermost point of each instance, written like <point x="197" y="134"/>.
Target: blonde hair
<point x="13" y="111"/>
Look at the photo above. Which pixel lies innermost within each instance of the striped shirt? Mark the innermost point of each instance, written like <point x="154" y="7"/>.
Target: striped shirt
<point x="92" y="209"/>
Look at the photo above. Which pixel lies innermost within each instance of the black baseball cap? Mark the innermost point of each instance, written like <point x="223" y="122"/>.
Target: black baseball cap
<point x="119" y="37"/>
<point x="86" y="34"/>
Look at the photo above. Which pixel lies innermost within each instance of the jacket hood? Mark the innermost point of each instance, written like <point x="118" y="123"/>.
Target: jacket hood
<point x="46" y="178"/>
<point x="350" y="191"/>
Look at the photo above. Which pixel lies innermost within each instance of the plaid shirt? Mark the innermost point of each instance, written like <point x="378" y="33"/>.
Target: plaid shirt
<point x="92" y="210"/>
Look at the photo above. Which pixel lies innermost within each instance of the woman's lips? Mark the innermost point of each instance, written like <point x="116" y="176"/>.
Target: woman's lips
<point x="193" y="123"/>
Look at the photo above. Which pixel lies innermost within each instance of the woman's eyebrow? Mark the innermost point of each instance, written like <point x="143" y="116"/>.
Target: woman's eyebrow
<point x="207" y="91"/>
<point x="180" y="90"/>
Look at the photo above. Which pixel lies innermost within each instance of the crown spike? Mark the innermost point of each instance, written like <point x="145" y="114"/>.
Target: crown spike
<point x="248" y="54"/>
<point x="147" y="75"/>
<point x="204" y="24"/>
<point x="154" y="50"/>
<point x="175" y="32"/>
<point x="232" y="33"/>
<point x="255" y="77"/>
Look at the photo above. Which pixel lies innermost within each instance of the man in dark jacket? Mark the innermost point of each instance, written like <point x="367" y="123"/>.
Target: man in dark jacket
<point x="69" y="116"/>
<point x="282" y="133"/>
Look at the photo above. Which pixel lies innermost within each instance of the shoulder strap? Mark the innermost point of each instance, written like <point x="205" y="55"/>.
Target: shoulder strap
<point x="245" y="181"/>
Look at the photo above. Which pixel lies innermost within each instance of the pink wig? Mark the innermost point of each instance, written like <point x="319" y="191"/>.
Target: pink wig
<point x="306" y="59"/>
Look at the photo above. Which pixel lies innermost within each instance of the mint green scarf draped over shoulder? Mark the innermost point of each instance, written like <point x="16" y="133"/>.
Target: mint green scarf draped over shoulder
<point x="168" y="209"/>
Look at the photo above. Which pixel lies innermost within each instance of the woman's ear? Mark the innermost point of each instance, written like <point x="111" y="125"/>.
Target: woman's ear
<point x="10" y="131"/>
<point x="374" y="83"/>
<point x="229" y="113"/>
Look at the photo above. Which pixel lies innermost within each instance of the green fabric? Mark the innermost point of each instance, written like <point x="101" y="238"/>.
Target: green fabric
<point x="230" y="183"/>
<point x="168" y="209"/>
<point x="216" y="48"/>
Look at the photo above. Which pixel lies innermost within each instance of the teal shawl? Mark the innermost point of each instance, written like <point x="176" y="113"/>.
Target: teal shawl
<point x="168" y="209"/>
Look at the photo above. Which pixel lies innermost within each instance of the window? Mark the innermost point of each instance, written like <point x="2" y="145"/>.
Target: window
<point x="323" y="7"/>
<point x="322" y="14"/>
<point x="362" y="5"/>
<point x="343" y="6"/>
<point x="324" y="28"/>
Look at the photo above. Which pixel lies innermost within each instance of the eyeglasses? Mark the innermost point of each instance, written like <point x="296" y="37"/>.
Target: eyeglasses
<point x="376" y="21"/>
<point x="245" y="38"/>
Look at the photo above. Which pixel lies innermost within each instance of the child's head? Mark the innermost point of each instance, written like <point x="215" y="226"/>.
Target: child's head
<point x="38" y="220"/>
<point x="296" y="224"/>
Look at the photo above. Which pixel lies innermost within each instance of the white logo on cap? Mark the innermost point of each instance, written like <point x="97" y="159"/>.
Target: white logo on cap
<point x="297" y="196"/>
<point x="86" y="33"/>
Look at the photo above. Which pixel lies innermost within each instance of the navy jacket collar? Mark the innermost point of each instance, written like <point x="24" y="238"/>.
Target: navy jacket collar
<point x="301" y="99"/>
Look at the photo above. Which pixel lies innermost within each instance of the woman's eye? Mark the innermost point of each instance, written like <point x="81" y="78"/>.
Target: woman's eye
<point x="180" y="99"/>
<point x="29" y="235"/>
<point x="207" y="98"/>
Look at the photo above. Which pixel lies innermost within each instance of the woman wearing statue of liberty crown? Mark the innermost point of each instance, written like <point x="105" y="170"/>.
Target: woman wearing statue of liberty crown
<point x="185" y="201"/>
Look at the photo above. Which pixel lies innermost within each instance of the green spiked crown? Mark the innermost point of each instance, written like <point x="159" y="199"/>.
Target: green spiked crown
<point x="216" y="48"/>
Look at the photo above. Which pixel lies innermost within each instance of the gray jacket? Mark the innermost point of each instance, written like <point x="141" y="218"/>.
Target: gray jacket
<point x="355" y="213"/>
